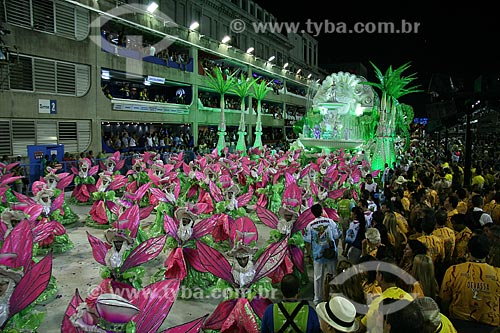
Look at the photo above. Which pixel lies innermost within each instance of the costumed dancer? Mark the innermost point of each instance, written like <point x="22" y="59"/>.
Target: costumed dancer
<point x="164" y="194"/>
<point x="138" y="176"/>
<point x="183" y="261"/>
<point x="243" y="309"/>
<point x="18" y="239"/>
<point x="112" y="166"/>
<point x="103" y="211"/>
<point x="84" y="181"/>
<point x="49" y="235"/>
<point x="121" y="257"/>
<point x="129" y="200"/>
<point x="57" y="183"/>
<point x="227" y="200"/>
<point x="288" y="226"/>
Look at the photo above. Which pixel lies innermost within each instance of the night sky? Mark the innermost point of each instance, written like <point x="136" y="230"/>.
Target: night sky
<point x="452" y="40"/>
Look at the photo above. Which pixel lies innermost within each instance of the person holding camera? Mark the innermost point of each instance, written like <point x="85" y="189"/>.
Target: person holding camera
<point x="320" y="235"/>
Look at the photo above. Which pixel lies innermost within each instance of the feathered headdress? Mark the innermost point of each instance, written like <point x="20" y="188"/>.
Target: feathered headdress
<point x="44" y="193"/>
<point x="114" y="234"/>
<point x="241" y="250"/>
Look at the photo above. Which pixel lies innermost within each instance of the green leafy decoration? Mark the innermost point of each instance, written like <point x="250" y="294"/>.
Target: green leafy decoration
<point x="221" y="83"/>
<point x="242" y="87"/>
<point x="260" y="90"/>
<point x="393" y="85"/>
<point x="215" y="79"/>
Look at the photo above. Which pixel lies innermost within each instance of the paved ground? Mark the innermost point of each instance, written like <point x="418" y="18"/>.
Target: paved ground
<point x="78" y="269"/>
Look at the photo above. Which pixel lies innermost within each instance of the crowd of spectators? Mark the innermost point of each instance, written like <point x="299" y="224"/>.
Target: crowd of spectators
<point x="212" y="100"/>
<point x="294" y="112"/>
<point x="208" y="64"/>
<point x="160" y="139"/>
<point x="274" y="109"/>
<point x="419" y="214"/>
<point x="142" y="92"/>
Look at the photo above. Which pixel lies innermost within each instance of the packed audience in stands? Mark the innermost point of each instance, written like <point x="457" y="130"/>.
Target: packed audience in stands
<point x="142" y="92"/>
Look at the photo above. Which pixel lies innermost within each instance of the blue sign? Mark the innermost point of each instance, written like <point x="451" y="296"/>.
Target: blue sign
<point x="53" y="106"/>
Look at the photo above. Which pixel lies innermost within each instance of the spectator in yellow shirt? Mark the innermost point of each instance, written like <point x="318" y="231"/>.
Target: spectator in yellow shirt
<point x="478" y="179"/>
<point x="435" y="246"/>
<point x="493" y="208"/>
<point x="371" y="288"/>
<point x="462" y="237"/>
<point x="387" y="278"/>
<point x="450" y="204"/>
<point x="445" y="233"/>
<point x="463" y="197"/>
<point x="469" y="292"/>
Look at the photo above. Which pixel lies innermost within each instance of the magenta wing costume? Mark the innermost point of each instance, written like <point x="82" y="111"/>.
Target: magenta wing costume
<point x="240" y="314"/>
<point x="30" y="286"/>
<point x="48" y="233"/>
<point x="293" y="234"/>
<point x="143" y="253"/>
<point x="123" y="264"/>
<point x="184" y="254"/>
<point x="20" y="242"/>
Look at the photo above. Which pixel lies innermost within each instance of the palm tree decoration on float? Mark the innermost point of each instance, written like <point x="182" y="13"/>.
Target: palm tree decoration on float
<point x="242" y="89"/>
<point x="395" y="117"/>
<point x="222" y="83"/>
<point x="259" y="93"/>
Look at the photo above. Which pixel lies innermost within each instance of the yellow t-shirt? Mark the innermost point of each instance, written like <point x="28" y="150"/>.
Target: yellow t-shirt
<point x="402" y="223"/>
<point x="405" y="202"/>
<point x="446" y="325"/>
<point x="472" y="291"/>
<point x="435" y="247"/>
<point x="371" y="315"/>
<point x="448" y="237"/>
<point x="461" y="240"/>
